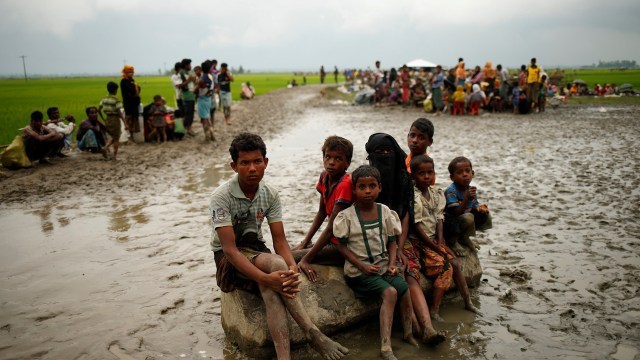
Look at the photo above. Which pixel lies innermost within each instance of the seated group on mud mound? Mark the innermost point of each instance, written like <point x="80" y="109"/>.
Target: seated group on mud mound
<point x="462" y="91"/>
<point x="41" y="139"/>
<point x="388" y="226"/>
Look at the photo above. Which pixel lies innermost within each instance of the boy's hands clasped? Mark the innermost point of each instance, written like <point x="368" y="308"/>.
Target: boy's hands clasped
<point x="285" y="282"/>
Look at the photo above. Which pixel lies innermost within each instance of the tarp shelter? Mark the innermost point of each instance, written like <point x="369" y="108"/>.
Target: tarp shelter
<point x="421" y="63"/>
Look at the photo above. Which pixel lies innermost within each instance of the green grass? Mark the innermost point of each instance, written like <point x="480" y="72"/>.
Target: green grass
<point x="72" y="95"/>
<point x="603" y="76"/>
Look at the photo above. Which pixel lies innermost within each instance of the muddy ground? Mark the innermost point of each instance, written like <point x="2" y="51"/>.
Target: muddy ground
<point x="104" y="259"/>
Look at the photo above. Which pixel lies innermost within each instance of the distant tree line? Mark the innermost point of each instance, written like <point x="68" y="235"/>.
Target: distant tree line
<point x="616" y="64"/>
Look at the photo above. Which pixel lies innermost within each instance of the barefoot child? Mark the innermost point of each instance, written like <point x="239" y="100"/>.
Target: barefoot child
<point x="238" y="208"/>
<point x="157" y="113"/>
<point x="435" y="259"/>
<point x="367" y="232"/>
<point x="335" y="191"/>
<point x="463" y="213"/>
<point x="111" y="107"/>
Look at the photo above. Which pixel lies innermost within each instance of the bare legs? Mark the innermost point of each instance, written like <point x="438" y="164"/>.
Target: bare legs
<point x="461" y="283"/>
<point x="389" y="297"/>
<point x="427" y="333"/>
<point x="277" y="307"/>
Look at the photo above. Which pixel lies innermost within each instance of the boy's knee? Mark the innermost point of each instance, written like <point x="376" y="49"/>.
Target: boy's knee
<point x="390" y="294"/>
<point x="467" y="221"/>
<point x="274" y="262"/>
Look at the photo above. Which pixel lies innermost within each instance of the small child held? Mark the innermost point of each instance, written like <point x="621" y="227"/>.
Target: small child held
<point x="432" y="257"/>
<point x="157" y="112"/>
<point x="367" y="232"/>
<point x="335" y="190"/>
<point x="463" y="213"/>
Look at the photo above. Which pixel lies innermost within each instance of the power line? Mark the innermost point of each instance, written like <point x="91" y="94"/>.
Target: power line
<point x="24" y="66"/>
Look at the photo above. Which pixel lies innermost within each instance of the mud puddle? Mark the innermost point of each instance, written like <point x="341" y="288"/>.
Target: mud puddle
<point x="130" y="275"/>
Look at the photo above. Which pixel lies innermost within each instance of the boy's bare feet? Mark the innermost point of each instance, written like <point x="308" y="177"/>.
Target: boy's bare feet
<point x="458" y="250"/>
<point x="435" y="316"/>
<point x="432" y="337"/>
<point x="328" y="348"/>
<point x="411" y="340"/>
<point x="474" y="246"/>
<point x="469" y="306"/>
<point x="387" y="355"/>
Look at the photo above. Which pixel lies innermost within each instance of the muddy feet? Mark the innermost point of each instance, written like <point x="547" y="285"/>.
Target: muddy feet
<point x="409" y="339"/>
<point x="433" y="337"/>
<point x="387" y="355"/>
<point x="435" y="316"/>
<point x="469" y="306"/>
<point x="473" y="245"/>
<point x="328" y="348"/>
<point x="458" y="250"/>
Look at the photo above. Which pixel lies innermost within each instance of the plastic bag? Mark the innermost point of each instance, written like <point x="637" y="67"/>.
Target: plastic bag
<point x="428" y="105"/>
<point x="15" y="156"/>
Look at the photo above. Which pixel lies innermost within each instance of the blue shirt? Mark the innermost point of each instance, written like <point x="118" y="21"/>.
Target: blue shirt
<point x="438" y="79"/>
<point x="455" y="196"/>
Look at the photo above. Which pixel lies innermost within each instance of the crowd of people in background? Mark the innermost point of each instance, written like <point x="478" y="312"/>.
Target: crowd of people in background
<point x="203" y="88"/>
<point x="461" y="90"/>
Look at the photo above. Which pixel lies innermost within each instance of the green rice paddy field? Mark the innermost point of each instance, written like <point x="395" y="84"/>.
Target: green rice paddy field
<point x="72" y="95"/>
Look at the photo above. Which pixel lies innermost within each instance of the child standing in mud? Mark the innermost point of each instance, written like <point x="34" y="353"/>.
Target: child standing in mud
<point x="335" y="190"/>
<point x="463" y="212"/>
<point x="238" y="208"/>
<point x="430" y="254"/>
<point x="367" y="232"/>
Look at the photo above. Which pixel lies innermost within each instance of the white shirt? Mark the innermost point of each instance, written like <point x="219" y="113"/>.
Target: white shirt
<point x="176" y="81"/>
<point x="61" y="127"/>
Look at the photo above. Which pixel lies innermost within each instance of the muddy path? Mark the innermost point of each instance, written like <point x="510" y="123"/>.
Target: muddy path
<point x="111" y="259"/>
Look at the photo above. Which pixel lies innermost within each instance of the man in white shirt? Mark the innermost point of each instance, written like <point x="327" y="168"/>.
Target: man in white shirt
<point x="176" y="81"/>
<point x="503" y="73"/>
<point x="56" y="124"/>
<point x="377" y="74"/>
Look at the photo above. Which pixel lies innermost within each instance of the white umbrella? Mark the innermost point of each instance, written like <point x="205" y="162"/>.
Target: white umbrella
<point x="419" y="63"/>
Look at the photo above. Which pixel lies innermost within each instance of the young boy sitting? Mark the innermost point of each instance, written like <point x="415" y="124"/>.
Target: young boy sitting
<point x="463" y="213"/>
<point x="243" y="261"/>
<point x="335" y="191"/>
<point x="432" y="256"/>
<point x="367" y="233"/>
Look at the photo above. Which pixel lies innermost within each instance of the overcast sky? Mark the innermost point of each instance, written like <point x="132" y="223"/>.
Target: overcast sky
<point x="97" y="36"/>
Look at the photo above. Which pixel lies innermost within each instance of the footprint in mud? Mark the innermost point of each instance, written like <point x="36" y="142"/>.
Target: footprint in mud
<point x="47" y="317"/>
<point x="176" y="305"/>
<point x="174" y="277"/>
<point x="516" y="274"/>
<point x="195" y="263"/>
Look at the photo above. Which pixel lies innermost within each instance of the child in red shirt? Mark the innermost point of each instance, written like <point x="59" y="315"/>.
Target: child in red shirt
<point x="335" y="191"/>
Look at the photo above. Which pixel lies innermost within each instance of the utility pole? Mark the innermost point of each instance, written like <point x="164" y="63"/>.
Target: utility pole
<point x="24" y="67"/>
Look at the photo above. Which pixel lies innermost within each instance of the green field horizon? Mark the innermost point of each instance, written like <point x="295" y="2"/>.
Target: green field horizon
<point x="18" y="99"/>
<point x="73" y="94"/>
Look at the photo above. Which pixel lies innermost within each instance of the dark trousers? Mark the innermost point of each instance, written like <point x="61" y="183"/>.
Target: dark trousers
<point x="189" y="112"/>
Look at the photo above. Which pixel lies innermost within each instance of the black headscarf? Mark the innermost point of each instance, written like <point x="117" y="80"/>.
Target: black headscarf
<point x="385" y="154"/>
